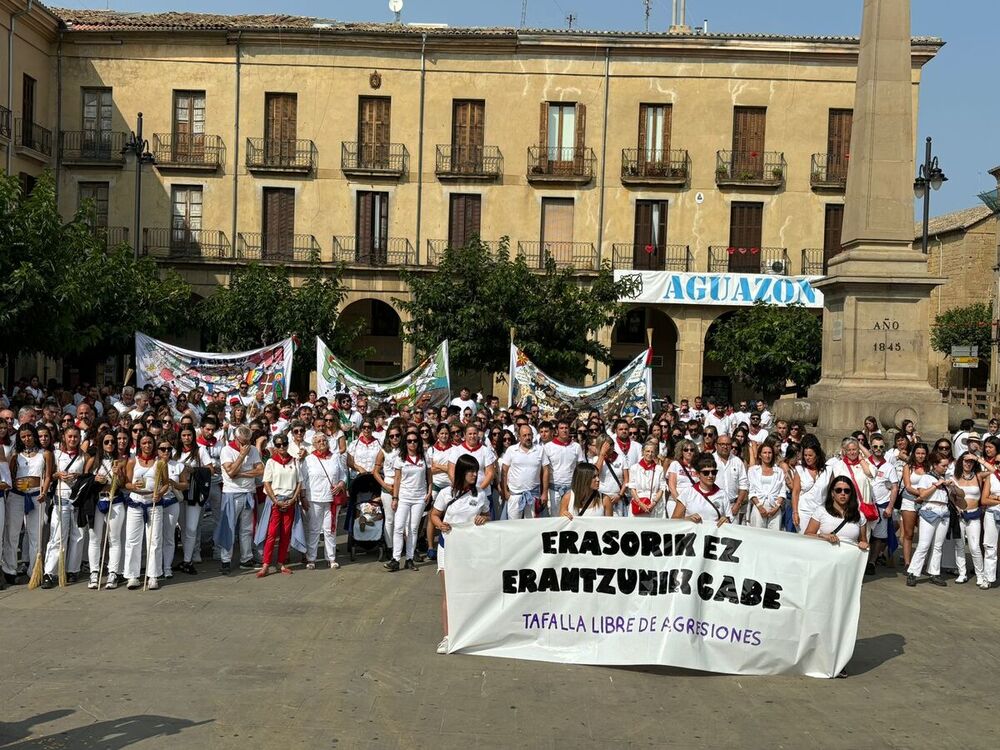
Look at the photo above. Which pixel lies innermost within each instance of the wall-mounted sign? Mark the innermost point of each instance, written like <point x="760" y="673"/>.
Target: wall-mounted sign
<point x="732" y="289"/>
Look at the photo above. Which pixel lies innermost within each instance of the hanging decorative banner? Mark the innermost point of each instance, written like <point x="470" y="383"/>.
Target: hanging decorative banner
<point x="426" y="385"/>
<point x="268" y="369"/>
<point x="731" y="289"/>
<point x="620" y="591"/>
<point x="628" y="393"/>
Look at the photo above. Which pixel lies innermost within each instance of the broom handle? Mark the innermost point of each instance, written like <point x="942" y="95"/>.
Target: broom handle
<point x="107" y="523"/>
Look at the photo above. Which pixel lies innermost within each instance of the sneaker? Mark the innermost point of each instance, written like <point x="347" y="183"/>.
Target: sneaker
<point x="962" y="579"/>
<point x="168" y="573"/>
<point x="938" y="580"/>
<point x="10" y="579"/>
<point x="911" y="580"/>
<point x="134" y="583"/>
<point x="112" y="581"/>
<point x="152" y="583"/>
<point x="48" y="582"/>
<point x="72" y="577"/>
<point x="410" y="565"/>
<point x="984" y="586"/>
<point x="392" y="566"/>
<point x="93" y="581"/>
<point x="225" y="568"/>
<point x="443" y="646"/>
<point x="247" y="564"/>
<point x="334" y="565"/>
<point x="310" y="566"/>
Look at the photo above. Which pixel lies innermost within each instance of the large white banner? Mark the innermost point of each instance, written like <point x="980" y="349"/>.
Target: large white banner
<point x="735" y="289"/>
<point x="640" y="591"/>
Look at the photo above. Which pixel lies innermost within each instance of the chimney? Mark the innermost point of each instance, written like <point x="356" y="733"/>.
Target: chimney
<point x="678" y="19"/>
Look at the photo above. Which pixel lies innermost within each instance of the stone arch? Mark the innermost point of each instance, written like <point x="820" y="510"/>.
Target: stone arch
<point x="380" y="334"/>
<point x="628" y="339"/>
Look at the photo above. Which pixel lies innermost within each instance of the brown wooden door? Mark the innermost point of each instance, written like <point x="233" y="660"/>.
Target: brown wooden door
<point x="745" y="228"/>
<point x="838" y="145"/>
<point x="280" y="126"/>
<point x="832" y="225"/>
<point x="374" y="121"/>
<point x="97" y="111"/>
<point x="654" y="138"/>
<point x="649" y="250"/>
<point x="372" y="229"/>
<point x="749" y="124"/>
<point x="188" y="131"/>
<point x="278" y="230"/>
<point x="561" y="133"/>
<point x="464" y="218"/>
<point x="467" y="136"/>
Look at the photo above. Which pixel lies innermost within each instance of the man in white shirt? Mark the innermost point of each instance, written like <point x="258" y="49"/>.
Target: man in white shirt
<point x="960" y="439"/>
<point x="698" y="411"/>
<point x="885" y="487"/>
<point x="718" y="419"/>
<point x="563" y="454"/>
<point x="241" y="465"/>
<point x="625" y="446"/>
<point x="766" y="418"/>
<point x="740" y="415"/>
<point x="756" y="433"/>
<point x="732" y="478"/>
<point x="464" y="401"/>
<point x="524" y="476"/>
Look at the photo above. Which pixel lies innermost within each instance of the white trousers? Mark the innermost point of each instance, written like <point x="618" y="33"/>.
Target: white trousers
<point x="515" y="511"/>
<point x="64" y="531"/>
<point x="115" y="520"/>
<point x="139" y="532"/>
<point x="13" y="521"/>
<point x="759" y="522"/>
<point x="991" y="531"/>
<point x="190" y="522"/>
<point x="406" y="521"/>
<point x="318" y="522"/>
<point x="388" y="525"/>
<point x="930" y="535"/>
<point x="969" y="540"/>
<point x="33" y="532"/>
<point x="168" y="543"/>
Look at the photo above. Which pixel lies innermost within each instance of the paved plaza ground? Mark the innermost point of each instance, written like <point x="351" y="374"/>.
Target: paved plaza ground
<point x="345" y="659"/>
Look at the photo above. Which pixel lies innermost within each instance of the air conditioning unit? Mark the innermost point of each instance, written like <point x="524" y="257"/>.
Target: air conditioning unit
<point x="778" y="267"/>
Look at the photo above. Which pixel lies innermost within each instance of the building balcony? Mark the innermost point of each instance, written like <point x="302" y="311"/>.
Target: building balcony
<point x="276" y="248"/>
<point x="772" y="260"/>
<point x="32" y="139"/>
<point x="666" y="168"/>
<point x="193" y="153"/>
<point x="436" y="248"/>
<point x="991" y="198"/>
<point x="389" y="252"/>
<point x="828" y="172"/>
<point x="186" y="244"/>
<point x="582" y="256"/>
<point x="5" y="123"/>
<point x="813" y="262"/>
<point x="567" y="166"/>
<point x="381" y="160"/>
<point x="111" y="237"/>
<point x="468" y="163"/>
<point x="92" y="148"/>
<point x="277" y="156"/>
<point x="631" y="257"/>
<point x="750" y="169"/>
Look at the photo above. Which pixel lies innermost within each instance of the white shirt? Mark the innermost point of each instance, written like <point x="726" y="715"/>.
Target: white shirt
<point x="711" y="507"/>
<point x="524" y="467"/>
<point x="364" y="455"/>
<point x="959" y="442"/>
<point x="740" y="417"/>
<point x="174" y="471"/>
<point x="646" y="483"/>
<point x="767" y="489"/>
<point x="812" y="492"/>
<point x="760" y="437"/>
<point x="209" y="456"/>
<point x="686" y="475"/>
<point x="722" y="424"/>
<point x="849" y="532"/>
<point x="886" y="476"/>
<point x="462" y="509"/>
<point x="319" y="475"/>
<point x="563" y="459"/>
<point x="766" y="419"/>
<point x="483" y="454"/>
<point x="732" y="476"/>
<point x="632" y="450"/>
<point x="412" y="479"/>
<point x="282" y="478"/>
<point x="463" y="404"/>
<point x="239" y="484"/>
<point x="70" y="464"/>
<point x="619" y="464"/>
<point x="439" y="456"/>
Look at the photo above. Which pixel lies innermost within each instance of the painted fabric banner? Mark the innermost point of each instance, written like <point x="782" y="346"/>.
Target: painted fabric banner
<point x="268" y="369"/>
<point x="628" y="393"/>
<point x="428" y="384"/>
<point x="736" y="289"/>
<point x="623" y="591"/>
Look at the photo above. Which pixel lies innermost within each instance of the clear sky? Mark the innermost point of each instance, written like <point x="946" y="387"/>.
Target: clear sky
<point x="960" y="96"/>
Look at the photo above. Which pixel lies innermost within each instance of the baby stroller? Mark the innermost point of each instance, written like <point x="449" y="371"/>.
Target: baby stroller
<point x="365" y="520"/>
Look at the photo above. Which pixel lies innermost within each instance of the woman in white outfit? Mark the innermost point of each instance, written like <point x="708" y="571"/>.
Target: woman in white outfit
<point x="915" y="468"/>
<point x="809" y="484"/>
<point x="839" y="518"/>
<point x="386" y="462"/>
<point x="31" y="472"/>
<point x="144" y="518"/>
<point x="646" y="483"/>
<point x="107" y="467"/>
<point x="767" y="489"/>
<point x="680" y="472"/>
<point x="970" y="519"/>
<point x="613" y="470"/>
<point x="704" y="502"/>
<point x="179" y="477"/>
<point x="189" y="454"/>
<point x="990" y="503"/>
<point x="411" y="491"/>
<point x="933" y="489"/>
<point x="323" y="478"/>
<point x="65" y="535"/>
<point x="585" y="497"/>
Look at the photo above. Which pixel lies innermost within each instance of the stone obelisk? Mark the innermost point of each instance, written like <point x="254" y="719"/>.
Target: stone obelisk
<point x="877" y="293"/>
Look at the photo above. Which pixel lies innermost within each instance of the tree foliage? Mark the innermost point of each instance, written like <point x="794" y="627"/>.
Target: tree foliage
<point x="764" y="346"/>
<point x="971" y="325"/>
<point x="65" y="291"/>
<point x="477" y="295"/>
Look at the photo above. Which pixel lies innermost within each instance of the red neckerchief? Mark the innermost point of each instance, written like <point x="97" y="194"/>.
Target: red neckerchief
<point x="624" y="447"/>
<point x="849" y="462"/>
<point x="207" y="443"/>
<point x="876" y="465"/>
<point x="146" y="457"/>
<point x="283" y="460"/>
<point x="471" y="450"/>
<point x="415" y="460"/>
<point x="363" y="441"/>
<point x="234" y="445"/>
<point x="72" y="455"/>
<point x="647" y="466"/>
<point x="445" y="447"/>
<point x="560" y="443"/>
<point x="322" y="456"/>
<point x="700" y="491"/>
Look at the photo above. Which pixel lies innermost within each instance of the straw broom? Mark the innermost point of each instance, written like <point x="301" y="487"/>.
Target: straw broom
<point x="160" y="477"/>
<point x="36" y="573"/>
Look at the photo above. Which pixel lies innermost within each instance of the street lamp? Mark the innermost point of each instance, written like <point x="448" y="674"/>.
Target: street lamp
<point x="139" y="148"/>
<point x="930" y="178"/>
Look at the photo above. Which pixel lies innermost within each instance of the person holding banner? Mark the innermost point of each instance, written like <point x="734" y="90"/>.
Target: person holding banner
<point x="646" y="484"/>
<point x="322" y="480"/>
<point x="612" y="467"/>
<point x="705" y="501"/>
<point x="241" y="465"/>
<point x="767" y="489"/>
<point x="411" y="491"/>
<point x="524" y="476"/>
<point x="564" y="456"/>
<point x="585" y="497"/>
<point x="463" y="502"/>
<point x="839" y="518"/>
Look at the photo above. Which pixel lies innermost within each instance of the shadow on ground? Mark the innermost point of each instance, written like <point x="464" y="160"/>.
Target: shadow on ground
<point x="104" y="735"/>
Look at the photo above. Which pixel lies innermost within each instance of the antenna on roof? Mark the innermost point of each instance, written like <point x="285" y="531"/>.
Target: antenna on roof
<point x="396" y="6"/>
<point x="570" y="19"/>
<point x="649" y="11"/>
<point x="524" y="13"/>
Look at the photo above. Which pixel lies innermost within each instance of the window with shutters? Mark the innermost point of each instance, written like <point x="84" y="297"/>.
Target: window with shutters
<point x="280" y="128"/>
<point x="838" y="143"/>
<point x="278" y="228"/>
<point x="188" y="128"/>
<point x="561" y="133"/>
<point x="93" y="196"/>
<point x="561" y="147"/>
<point x="649" y="249"/>
<point x="832" y="225"/>
<point x="186" y="212"/>
<point x="464" y="215"/>
<point x="28" y="111"/>
<point x="654" y="133"/>
<point x="745" y="231"/>
<point x="97" y="113"/>
<point x="467" y="135"/>
<point x="374" y="130"/>
<point x="372" y="227"/>
<point x="749" y="125"/>
<point x="557" y="221"/>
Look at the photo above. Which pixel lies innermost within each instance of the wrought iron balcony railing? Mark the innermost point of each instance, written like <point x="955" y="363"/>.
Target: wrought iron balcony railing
<point x="632" y="257"/>
<point x="92" y="147"/>
<point x="436" y="249"/>
<point x="111" y="236"/>
<point x="468" y="162"/>
<point x="280" y="155"/>
<point x="813" y="262"/>
<point x="5" y="123"/>
<point x="991" y="198"/>
<point x="773" y="260"/>
<point x="188" y="151"/>
<point x="391" y="251"/>
<point x="34" y="136"/>
<point x="275" y="247"/>
<point x="374" y="159"/>
<point x="828" y="171"/>
<point x="556" y="164"/>
<point x="655" y="167"/>
<point x="185" y="243"/>
<point x="582" y="256"/>
<point x="750" y="169"/>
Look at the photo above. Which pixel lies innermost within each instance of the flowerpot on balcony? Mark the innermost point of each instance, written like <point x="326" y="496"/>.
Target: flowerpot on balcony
<point x="721" y="173"/>
<point x="778" y="173"/>
<point x="679" y="173"/>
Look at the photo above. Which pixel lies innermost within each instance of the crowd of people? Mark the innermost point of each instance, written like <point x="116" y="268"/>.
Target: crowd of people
<point x="129" y="486"/>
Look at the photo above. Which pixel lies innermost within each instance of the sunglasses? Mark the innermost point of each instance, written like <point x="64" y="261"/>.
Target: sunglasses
<point x="163" y="448"/>
<point x="136" y="430"/>
<point x="412" y="442"/>
<point x="107" y="442"/>
<point x="687" y="450"/>
<point x="709" y="472"/>
<point x="298" y="431"/>
<point x="366" y="427"/>
<point x="280" y="445"/>
<point x="841" y="490"/>
<point x="329" y="420"/>
<point x="455" y="432"/>
<point x="394" y="436"/>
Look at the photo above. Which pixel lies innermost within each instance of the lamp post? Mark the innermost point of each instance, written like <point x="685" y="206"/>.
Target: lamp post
<point x="930" y="178"/>
<point x="139" y="148"/>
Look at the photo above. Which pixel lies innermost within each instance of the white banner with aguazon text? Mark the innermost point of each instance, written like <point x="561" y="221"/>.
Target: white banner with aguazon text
<point x="736" y="289"/>
<point x="619" y="591"/>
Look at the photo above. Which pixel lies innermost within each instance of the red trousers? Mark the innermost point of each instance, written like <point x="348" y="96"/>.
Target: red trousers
<point x="279" y="524"/>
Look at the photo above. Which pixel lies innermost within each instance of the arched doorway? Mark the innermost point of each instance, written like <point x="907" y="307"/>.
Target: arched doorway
<point x="628" y="339"/>
<point x="715" y="382"/>
<point x="380" y="335"/>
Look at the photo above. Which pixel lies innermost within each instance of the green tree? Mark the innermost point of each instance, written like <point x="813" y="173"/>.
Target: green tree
<point x="477" y="295"/>
<point x="971" y="325"/>
<point x="764" y="346"/>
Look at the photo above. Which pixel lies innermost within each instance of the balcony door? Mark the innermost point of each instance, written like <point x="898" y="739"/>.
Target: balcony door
<point x="464" y="216"/>
<point x="654" y="137"/>
<point x="374" y="130"/>
<point x="649" y="249"/>
<point x="94" y="197"/>
<point x="557" y="229"/>
<point x="185" y="219"/>
<point x="278" y="229"/>
<point x="467" y="136"/>
<point x="372" y="228"/>
<point x="28" y="111"/>
<point x="97" y="112"/>
<point x="561" y="138"/>
<point x="833" y="224"/>
<point x="749" y="125"/>
<point x="745" y="229"/>
<point x="838" y="143"/>
<point x="280" y="126"/>
<point x="187" y="142"/>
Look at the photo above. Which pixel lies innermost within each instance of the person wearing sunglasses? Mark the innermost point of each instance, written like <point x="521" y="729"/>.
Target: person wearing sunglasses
<point x="410" y="494"/>
<point x="322" y="480"/>
<point x="386" y="463"/>
<point x="436" y="456"/>
<point x="839" y="518"/>
<point x="296" y="442"/>
<point x="680" y="473"/>
<point x="362" y="453"/>
<point x="732" y="478"/>
<point x="704" y="501"/>
<point x="108" y="468"/>
<point x="970" y="516"/>
<point x="283" y="488"/>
